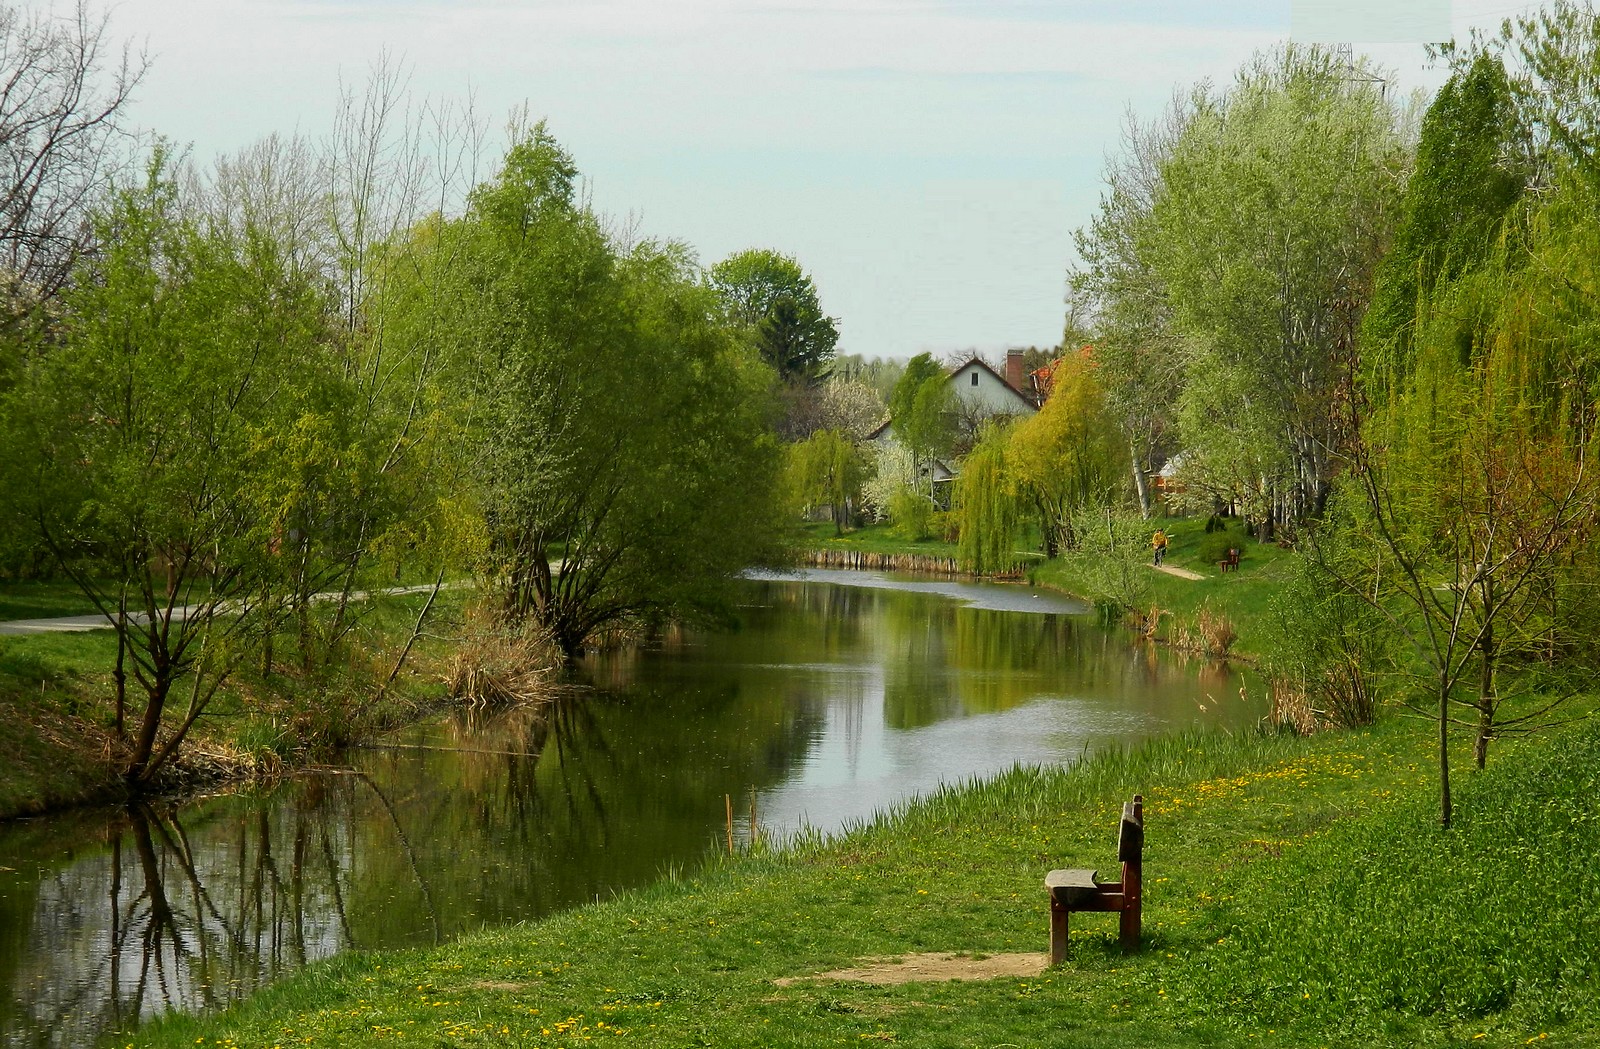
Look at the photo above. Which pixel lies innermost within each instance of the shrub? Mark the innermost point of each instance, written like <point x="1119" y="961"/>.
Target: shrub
<point x="912" y="515"/>
<point x="1214" y="545"/>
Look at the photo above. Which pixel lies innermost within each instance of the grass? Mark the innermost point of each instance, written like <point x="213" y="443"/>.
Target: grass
<point x="874" y="538"/>
<point x="1297" y="893"/>
<point x="56" y="705"/>
<point x="43" y="599"/>
<point x="1244" y="597"/>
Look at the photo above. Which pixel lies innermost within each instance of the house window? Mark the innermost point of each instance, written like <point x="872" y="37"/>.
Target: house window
<point x="974" y="378"/>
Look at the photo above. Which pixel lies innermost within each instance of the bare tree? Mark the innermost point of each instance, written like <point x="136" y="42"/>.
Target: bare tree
<point x="64" y="88"/>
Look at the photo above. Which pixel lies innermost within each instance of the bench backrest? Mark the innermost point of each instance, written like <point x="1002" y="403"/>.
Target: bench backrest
<point x="1130" y="840"/>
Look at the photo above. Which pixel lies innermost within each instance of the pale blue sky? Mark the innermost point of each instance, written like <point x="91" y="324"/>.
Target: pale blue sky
<point x="925" y="160"/>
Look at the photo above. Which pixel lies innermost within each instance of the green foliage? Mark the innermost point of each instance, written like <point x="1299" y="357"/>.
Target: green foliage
<point x="1274" y="201"/>
<point x="768" y="295"/>
<point x="1458" y="195"/>
<point x="911" y="514"/>
<point x="1324" y="642"/>
<point x="986" y="505"/>
<point x="826" y="470"/>
<point x="1070" y="455"/>
<point x="1111" y="559"/>
<point x="617" y="421"/>
<point x="920" y="409"/>
<point x="1475" y="491"/>
<point x="147" y="443"/>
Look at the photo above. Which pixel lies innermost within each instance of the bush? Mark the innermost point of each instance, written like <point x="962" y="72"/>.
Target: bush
<point x="1214" y="545"/>
<point x="1325" y="644"/>
<point x="912" y="515"/>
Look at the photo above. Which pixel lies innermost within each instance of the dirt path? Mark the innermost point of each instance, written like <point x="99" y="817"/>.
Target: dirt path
<point x="916" y="968"/>
<point x="1181" y="573"/>
<point x="77" y="624"/>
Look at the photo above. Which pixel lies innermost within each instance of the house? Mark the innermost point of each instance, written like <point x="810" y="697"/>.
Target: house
<point x="980" y="394"/>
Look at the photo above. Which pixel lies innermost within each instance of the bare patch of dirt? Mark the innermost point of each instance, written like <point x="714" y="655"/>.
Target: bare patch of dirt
<point x="495" y="985"/>
<point x="919" y="968"/>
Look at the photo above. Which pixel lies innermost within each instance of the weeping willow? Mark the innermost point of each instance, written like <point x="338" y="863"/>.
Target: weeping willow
<point x="986" y="506"/>
<point x="1482" y="496"/>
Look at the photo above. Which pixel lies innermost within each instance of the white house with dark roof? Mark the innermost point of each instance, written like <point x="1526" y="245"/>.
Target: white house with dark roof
<point x="982" y="393"/>
<point x="987" y="393"/>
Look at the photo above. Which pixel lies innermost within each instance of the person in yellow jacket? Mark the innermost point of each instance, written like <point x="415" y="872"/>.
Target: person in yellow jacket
<point x="1159" y="542"/>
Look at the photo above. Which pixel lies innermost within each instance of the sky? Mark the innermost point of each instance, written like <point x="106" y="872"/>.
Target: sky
<point x="926" y="161"/>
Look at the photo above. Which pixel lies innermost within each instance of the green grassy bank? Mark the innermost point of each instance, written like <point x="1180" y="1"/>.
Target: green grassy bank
<point x="1243" y="597"/>
<point x="57" y="695"/>
<point x="1297" y="891"/>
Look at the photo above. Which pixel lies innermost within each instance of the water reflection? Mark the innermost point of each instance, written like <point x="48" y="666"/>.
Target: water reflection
<point x="829" y="702"/>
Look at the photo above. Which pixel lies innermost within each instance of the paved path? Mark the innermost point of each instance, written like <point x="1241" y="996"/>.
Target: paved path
<point x="1181" y="573"/>
<point x="77" y="624"/>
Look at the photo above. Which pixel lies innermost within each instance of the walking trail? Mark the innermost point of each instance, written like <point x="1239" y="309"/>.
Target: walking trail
<point x="1181" y="573"/>
<point x="77" y="624"/>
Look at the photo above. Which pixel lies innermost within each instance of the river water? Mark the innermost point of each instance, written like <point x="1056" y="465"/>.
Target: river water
<point x="835" y="698"/>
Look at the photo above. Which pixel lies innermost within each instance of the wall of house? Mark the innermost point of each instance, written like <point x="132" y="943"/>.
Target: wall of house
<point x="988" y="392"/>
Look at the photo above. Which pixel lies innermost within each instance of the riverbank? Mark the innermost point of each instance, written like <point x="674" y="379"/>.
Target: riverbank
<point x="1297" y="891"/>
<point x="58" y="750"/>
<point x="1175" y="610"/>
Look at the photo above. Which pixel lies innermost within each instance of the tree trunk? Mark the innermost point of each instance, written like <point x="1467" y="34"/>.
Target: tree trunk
<point x="1444" y="757"/>
<point x="1141" y="483"/>
<point x="144" y="743"/>
<point x="1480" y="745"/>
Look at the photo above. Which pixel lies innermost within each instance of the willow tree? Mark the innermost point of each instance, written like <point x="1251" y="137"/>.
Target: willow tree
<point x="1070" y="454"/>
<point x="826" y="470"/>
<point x="920" y="412"/>
<point x="1466" y="177"/>
<point x="986" y="504"/>
<point x="1478" y="484"/>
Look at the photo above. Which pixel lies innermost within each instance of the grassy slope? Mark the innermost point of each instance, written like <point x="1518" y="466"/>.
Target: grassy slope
<point x="36" y="599"/>
<point x="56" y="697"/>
<point x="1297" y="893"/>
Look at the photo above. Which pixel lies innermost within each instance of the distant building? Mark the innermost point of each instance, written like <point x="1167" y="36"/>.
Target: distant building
<point x="981" y="394"/>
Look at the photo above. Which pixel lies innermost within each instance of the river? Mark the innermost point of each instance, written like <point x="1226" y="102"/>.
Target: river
<point x="834" y="698"/>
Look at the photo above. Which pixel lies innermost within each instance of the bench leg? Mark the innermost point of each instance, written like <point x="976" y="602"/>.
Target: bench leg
<point x="1058" y="932"/>
<point x="1132" y="906"/>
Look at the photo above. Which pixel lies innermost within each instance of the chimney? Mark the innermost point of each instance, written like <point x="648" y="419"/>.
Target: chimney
<point x="1014" y="373"/>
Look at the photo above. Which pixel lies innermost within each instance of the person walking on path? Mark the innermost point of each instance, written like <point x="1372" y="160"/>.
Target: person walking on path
<point x="1159" y="542"/>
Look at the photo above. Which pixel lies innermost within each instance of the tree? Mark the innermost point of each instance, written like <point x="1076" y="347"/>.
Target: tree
<point x="1120" y="291"/>
<point x="1275" y="205"/>
<point x="1466" y="178"/>
<point x="1069" y="455"/>
<point x="66" y="92"/>
<point x="768" y="295"/>
<point x="1475" y="485"/>
<point x="619" y="426"/>
<point x="921" y="413"/>
<point x="1554" y="53"/>
<point x="145" y="445"/>
<point x="852" y="407"/>
<point x="828" y="472"/>
<point x="986" y="504"/>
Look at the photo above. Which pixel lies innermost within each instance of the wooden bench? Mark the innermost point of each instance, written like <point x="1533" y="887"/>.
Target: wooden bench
<point x="1230" y="563"/>
<point x="1082" y="890"/>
